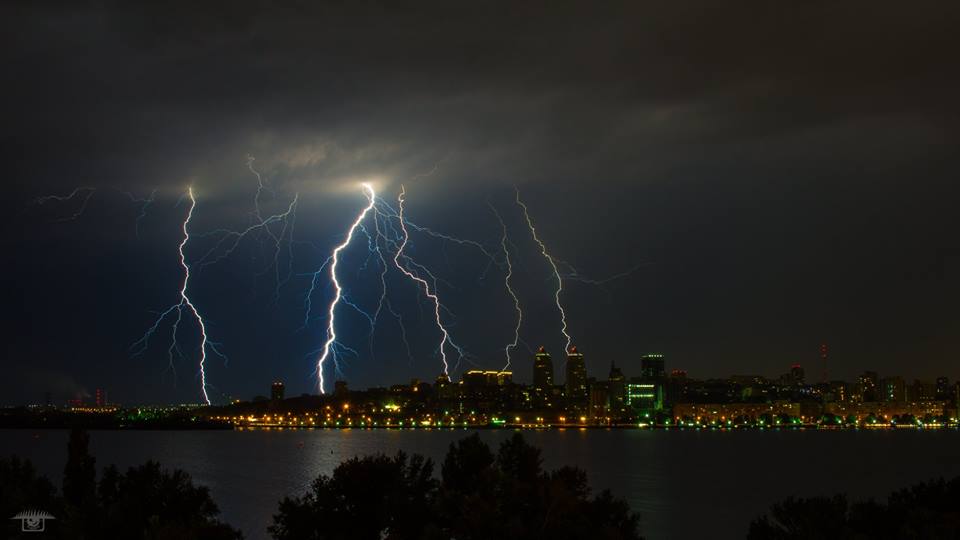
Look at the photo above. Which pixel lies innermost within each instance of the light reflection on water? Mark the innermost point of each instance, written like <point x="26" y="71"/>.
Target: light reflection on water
<point x="684" y="483"/>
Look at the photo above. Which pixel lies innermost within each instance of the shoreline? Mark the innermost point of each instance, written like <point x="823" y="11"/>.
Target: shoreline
<point x="280" y="427"/>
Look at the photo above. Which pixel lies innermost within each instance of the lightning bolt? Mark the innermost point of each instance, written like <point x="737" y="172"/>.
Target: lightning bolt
<point x="144" y="204"/>
<point x="389" y="212"/>
<point x="426" y="286"/>
<point x="261" y="187"/>
<point x="334" y="260"/>
<point x="384" y="301"/>
<point x="185" y="300"/>
<point x="230" y="240"/>
<point x="506" y="283"/>
<point x="84" y="193"/>
<point x="574" y="275"/>
<point x="178" y="308"/>
<point x="553" y="265"/>
<point x="382" y="238"/>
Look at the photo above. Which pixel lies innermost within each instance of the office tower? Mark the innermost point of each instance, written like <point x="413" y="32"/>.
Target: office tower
<point x="823" y="361"/>
<point x="922" y="391"/>
<point x="652" y="367"/>
<point x="894" y="389"/>
<point x="576" y="381"/>
<point x="644" y="397"/>
<point x="676" y="391"/>
<point x="617" y="391"/>
<point x="445" y="390"/>
<point x="476" y="377"/>
<point x="796" y="374"/>
<point x="598" y="408"/>
<point x="276" y="391"/>
<point x="870" y="387"/>
<point x="943" y="389"/>
<point x="542" y="370"/>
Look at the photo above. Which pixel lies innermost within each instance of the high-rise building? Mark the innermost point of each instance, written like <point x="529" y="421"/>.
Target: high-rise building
<point x="943" y="389"/>
<point x="542" y="370"/>
<point x="276" y="391"/>
<point x="894" y="389"/>
<point x="576" y="381"/>
<point x="676" y="387"/>
<point x="838" y="391"/>
<point x="616" y="391"/>
<point x="922" y="391"/>
<point x="445" y="390"/>
<point x="644" y="397"/>
<point x="796" y="374"/>
<point x="652" y="367"/>
<point x="870" y="387"/>
<point x="476" y="377"/>
<point x="100" y="398"/>
<point x="823" y="361"/>
<point x="599" y="404"/>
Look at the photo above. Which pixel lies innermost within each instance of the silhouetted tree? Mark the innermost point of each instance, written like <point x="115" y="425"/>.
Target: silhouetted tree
<point x="479" y="497"/>
<point x="926" y="510"/>
<point x="153" y="503"/>
<point x="609" y="518"/>
<point x="466" y="465"/>
<point x="146" y="503"/>
<point x="366" y="498"/>
<point x="467" y="493"/>
<point x="21" y="489"/>
<point x="519" y="460"/>
<point x="80" y="473"/>
<point x="817" y="517"/>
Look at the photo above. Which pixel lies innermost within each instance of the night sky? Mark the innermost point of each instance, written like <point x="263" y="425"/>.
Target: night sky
<point x="771" y="175"/>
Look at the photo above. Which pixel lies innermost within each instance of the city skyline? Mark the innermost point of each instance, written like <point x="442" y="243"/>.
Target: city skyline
<point x="576" y="381"/>
<point x="658" y="397"/>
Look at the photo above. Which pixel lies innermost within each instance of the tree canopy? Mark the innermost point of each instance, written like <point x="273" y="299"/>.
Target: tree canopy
<point x="479" y="495"/>
<point x="929" y="510"/>
<point x="146" y="502"/>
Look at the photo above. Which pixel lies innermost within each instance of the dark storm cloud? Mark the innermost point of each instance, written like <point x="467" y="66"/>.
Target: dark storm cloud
<point x="499" y="81"/>
<point x="786" y="168"/>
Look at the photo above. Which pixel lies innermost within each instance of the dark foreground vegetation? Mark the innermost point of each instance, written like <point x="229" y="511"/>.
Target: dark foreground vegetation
<point x="145" y="502"/>
<point x="479" y="495"/>
<point x="929" y="510"/>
